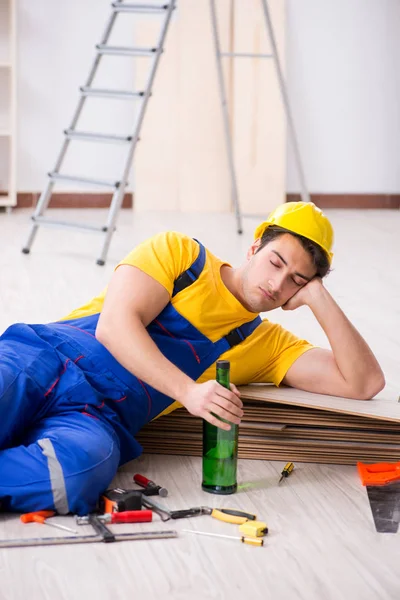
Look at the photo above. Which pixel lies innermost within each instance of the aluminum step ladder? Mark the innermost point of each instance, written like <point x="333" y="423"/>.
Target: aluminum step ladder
<point x="225" y="112"/>
<point x="72" y="133"/>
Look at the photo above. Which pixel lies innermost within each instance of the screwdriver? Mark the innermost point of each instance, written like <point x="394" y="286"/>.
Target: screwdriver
<point x="150" y="488"/>
<point x="41" y="516"/>
<point x="242" y="538"/>
<point x="287" y="469"/>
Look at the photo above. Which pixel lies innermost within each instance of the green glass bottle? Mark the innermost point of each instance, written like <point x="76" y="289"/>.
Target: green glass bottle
<point x="220" y="448"/>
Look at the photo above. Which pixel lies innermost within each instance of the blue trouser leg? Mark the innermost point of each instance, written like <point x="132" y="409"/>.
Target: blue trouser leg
<point x="64" y="464"/>
<point x="21" y="402"/>
<point x="51" y="455"/>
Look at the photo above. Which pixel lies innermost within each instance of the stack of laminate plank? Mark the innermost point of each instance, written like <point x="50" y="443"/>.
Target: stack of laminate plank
<point x="283" y="430"/>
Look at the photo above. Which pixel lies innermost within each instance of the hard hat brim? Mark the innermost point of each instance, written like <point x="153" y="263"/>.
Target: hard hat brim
<point x="263" y="226"/>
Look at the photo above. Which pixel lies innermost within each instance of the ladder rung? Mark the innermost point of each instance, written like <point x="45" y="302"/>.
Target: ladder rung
<point x="96" y="137"/>
<point x="77" y="179"/>
<point x="143" y="8"/>
<point x="103" y="93"/>
<point x="125" y="51"/>
<point x="70" y="224"/>
<point x="246" y="55"/>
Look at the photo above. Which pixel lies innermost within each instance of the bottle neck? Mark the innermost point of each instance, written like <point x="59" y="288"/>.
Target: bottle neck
<point x="223" y="377"/>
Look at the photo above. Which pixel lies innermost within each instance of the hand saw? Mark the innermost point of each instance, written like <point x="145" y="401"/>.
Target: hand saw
<point x="382" y="481"/>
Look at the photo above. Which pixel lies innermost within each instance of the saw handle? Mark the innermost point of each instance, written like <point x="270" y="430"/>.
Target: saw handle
<point x="378" y="473"/>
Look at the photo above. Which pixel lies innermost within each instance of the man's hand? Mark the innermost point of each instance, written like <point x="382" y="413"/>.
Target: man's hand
<point x="210" y="398"/>
<point x="305" y="295"/>
<point x="350" y="369"/>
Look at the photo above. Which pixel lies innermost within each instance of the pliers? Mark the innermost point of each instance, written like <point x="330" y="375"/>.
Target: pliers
<point x="223" y="514"/>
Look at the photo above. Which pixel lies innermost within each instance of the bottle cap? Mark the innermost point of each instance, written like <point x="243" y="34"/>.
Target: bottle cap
<point x="223" y="364"/>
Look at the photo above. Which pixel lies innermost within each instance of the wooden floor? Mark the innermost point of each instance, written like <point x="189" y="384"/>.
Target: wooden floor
<point x="322" y="542"/>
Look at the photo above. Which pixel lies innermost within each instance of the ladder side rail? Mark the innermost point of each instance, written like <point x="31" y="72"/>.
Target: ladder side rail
<point x="285" y="99"/>
<point x="225" y="116"/>
<point x="118" y="195"/>
<point x="45" y="196"/>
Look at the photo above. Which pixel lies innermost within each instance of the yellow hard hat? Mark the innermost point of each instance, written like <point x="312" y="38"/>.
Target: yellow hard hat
<point x="303" y="218"/>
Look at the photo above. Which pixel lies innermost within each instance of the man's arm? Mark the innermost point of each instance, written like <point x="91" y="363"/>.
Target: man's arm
<point x="350" y="369"/>
<point x="133" y="301"/>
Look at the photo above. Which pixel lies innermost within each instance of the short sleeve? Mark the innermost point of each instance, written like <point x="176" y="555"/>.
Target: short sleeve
<point x="281" y="349"/>
<point x="164" y="257"/>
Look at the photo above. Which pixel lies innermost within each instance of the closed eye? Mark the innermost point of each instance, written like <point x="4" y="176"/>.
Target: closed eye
<point x="294" y="281"/>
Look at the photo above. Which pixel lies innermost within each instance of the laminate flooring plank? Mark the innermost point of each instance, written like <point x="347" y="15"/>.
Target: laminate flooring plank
<point x="379" y="408"/>
<point x="289" y="431"/>
<point x="267" y="416"/>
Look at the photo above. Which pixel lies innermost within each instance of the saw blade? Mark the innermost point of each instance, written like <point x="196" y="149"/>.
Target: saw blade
<point x="385" y="506"/>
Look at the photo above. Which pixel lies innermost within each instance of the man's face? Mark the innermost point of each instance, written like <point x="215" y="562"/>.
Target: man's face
<point x="275" y="273"/>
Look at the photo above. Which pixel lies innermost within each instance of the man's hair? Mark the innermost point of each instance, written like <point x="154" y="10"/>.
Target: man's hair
<point x="319" y="257"/>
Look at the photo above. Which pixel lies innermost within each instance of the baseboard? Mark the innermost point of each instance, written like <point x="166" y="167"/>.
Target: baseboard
<point x="72" y="200"/>
<point x="351" y="200"/>
<point x="94" y="200"/>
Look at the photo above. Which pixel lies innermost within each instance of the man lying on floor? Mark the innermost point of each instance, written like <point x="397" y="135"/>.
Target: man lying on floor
<point x="73" y="394"/>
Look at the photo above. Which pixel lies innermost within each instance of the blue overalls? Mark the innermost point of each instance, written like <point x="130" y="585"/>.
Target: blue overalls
<point x="69" y="411"/>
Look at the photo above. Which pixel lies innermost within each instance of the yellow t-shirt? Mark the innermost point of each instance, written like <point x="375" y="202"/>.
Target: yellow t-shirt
<point x="264" y="357"/>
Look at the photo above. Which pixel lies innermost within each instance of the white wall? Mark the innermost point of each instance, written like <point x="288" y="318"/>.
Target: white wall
<point x="343" y="76"/>
<point x="343" y="65"/>
<point x="55" y="51"/>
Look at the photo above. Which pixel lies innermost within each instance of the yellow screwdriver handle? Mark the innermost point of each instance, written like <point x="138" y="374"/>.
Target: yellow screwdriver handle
<point x="217" y="514"/>
<point x="253" y="541"/>
<point x="288" y="468"/>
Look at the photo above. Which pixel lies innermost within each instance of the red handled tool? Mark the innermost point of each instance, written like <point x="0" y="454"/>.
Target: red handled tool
<point x="129" y="516"/>
<point x="150" y="488"/>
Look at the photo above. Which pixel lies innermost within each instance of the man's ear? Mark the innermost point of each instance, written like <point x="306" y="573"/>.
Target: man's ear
<point x="253" y="248"/>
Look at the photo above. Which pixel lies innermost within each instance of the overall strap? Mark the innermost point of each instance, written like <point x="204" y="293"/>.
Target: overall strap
<point x="237" y="335"/>
<point x="192" y="273"/>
